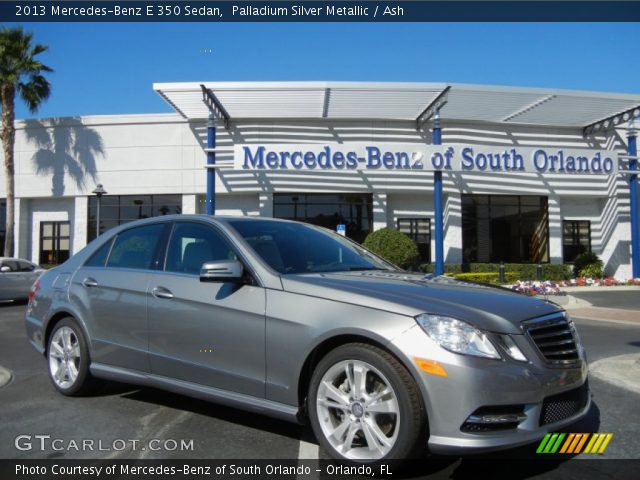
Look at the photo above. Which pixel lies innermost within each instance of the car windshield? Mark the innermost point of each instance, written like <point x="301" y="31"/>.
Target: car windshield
<point x="299" y="248"/>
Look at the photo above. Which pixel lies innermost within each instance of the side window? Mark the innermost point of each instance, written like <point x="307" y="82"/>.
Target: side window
<point x="136" y="247"/>
<point x="12" y="264"/>
<point x="26" y="266"/>
<point x="99" y="257"/>
<point x="193" y="244"/>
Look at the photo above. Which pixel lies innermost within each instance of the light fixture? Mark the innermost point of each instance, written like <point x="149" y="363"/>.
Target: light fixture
<point x="99" y="191"/>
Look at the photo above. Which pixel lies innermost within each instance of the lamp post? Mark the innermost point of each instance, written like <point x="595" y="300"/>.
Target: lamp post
<point x="99" y="191"/>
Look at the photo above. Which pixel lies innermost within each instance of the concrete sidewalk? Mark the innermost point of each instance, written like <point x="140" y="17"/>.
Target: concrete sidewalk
<point x="622" y="371"/>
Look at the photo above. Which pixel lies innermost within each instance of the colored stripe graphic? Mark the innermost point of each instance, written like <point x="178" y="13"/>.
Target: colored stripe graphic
<point x="543" y="443"/>
<point x="606" y="442"/>
<point x="567" y="443"/>
<point x="574" y="443"/>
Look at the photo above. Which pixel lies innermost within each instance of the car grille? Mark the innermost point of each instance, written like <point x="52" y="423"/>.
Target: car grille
<point x="564" y="405"/>
<point x="553" y="336"/>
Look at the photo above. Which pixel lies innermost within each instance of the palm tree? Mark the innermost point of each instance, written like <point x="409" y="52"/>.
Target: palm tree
<point x="22" y="74"/>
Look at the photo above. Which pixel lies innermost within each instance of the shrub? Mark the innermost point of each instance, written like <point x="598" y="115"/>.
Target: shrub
<point x="593" y="270"/>
<point x="392" y="245"/>
<point x="525" y="271"/>
<point x="587" y="264"/>
<point x="492" y="278"/>
<point x="448" y="268"/>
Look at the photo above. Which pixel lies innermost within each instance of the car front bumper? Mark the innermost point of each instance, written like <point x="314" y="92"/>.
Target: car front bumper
<point x="548" y="397"/>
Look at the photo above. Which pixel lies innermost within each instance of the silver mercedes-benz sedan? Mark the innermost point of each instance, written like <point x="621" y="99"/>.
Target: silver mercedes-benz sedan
<point x="16" y="277"/>
<point x="295" y="321"/>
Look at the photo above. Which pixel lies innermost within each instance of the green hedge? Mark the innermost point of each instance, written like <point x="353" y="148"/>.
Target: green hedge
<point x="487" y="277"/>
<point x="524" y="271"/>
<point x="392" y="245"/>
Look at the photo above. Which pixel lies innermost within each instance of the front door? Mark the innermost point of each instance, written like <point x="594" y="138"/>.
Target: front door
<point x="207" y="333"/>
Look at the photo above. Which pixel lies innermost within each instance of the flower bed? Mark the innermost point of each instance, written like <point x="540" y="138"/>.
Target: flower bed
<point x="537" y="288"/>
<point x="554" y="288"/>
<point x="598" y="282"/>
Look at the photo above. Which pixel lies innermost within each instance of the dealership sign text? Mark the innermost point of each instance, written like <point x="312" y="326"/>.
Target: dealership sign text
<point x="455" y="158"/>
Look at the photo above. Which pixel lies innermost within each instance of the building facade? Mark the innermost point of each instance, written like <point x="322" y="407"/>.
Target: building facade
<point x="492" y="210"/>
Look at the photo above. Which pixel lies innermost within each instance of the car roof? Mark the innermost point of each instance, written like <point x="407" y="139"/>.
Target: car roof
<point x="16" y="258"/>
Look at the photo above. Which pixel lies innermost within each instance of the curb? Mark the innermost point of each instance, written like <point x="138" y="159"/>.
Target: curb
<point x="5" y="376"/>
<point x="621" y="371"/>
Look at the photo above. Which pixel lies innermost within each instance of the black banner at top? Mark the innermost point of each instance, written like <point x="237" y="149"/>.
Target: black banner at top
<point x="319" y="11"/>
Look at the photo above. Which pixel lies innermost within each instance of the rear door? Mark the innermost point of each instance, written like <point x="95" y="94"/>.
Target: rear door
<point x="111" y="289"/>
<point x="207" y="333"/>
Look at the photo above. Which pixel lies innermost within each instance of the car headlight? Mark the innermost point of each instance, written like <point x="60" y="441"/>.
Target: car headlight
<point x="511" y="348"/>
<point x="457" y="336"/>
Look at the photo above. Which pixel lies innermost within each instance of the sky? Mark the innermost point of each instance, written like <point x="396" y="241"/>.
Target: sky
<point x="109" y="68"/>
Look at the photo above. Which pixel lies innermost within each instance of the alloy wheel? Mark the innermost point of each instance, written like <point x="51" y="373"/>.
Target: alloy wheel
<point x="358" y="410"/>
<point x="64" y="357"/>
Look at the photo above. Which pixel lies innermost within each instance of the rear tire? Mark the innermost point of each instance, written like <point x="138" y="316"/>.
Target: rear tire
<point x="68" y="359"/>
<point x="364" y="406"/>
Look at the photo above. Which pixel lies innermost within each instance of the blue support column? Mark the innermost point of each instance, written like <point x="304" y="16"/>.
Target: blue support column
<point x="437" y="202"/>
<point x="632" y="149"/>
<point x="211" y="161"/>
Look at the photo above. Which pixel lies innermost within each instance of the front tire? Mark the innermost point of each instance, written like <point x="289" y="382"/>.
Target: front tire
<point x="364" y="406"/>
<point x="68" y="359"/>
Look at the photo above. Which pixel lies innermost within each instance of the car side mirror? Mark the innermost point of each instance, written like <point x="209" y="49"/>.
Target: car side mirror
<point x="222" y="271"/>
<point x="5" y="269"/>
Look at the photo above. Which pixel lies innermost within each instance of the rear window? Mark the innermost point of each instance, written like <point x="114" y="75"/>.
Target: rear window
<point x="99" y="257"/>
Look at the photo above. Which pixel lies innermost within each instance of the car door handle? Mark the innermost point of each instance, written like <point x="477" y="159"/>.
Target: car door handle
<point x="89" y="282"/>
<point x="161" y="292"/>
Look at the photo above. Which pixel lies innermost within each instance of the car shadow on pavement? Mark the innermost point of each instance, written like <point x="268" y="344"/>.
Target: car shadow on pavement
<point x="12" y="303"/>
<point x="214" y="410"/>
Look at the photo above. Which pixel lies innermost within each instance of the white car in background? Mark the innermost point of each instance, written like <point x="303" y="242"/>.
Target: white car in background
<point x="16" y="277"/>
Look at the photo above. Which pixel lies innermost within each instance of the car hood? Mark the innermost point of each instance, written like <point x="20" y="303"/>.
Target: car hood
<point x="488" y="308"/>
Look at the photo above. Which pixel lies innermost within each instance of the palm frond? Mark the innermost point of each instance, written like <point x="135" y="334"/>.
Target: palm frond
<point x="44" y="161"/>
<point x="37" y="133"/>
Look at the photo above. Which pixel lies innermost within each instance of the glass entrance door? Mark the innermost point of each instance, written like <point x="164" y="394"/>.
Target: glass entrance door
<point x="55" y="240"/>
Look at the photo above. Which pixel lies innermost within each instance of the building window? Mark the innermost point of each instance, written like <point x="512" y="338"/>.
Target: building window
<point x="505" y="228"/>
<point x="418" y="230"/>
<point x="576" y="238"/>
<point x="119" y="209"/>
<point x="55" y="241"/>
<point x="355" y="210"/>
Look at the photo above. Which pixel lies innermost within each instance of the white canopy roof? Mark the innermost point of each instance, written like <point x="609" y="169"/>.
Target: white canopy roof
<point x="400" y="101"/>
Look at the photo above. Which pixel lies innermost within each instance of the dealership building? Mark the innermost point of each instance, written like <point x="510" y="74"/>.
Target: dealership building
<point x="473" y="173"/>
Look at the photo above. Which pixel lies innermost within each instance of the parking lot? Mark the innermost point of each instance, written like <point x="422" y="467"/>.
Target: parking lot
<point x="124" y="422"/>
